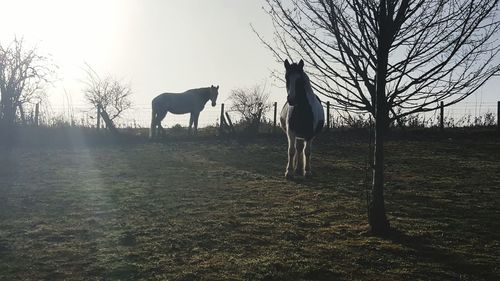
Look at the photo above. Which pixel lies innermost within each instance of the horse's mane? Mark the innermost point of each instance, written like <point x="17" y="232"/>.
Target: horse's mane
<point x="205" y="92"/>
<point x="307" y="84"/>
<point x="199" y="90"/>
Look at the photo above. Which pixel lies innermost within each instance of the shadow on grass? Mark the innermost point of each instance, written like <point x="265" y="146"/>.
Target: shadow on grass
<point x="455" y="262"/>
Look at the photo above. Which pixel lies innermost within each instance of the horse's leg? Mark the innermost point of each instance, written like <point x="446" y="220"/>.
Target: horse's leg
<point x="307" y="153"/>
<point x="159" y="117"/>
<point x="291" y="154"/>
<point x="196" y="116"/>
<point x="152" y="130"/>
<point x="162" y="131"/>
<point x="191" y="119"/>
<point x="299" y="157"/>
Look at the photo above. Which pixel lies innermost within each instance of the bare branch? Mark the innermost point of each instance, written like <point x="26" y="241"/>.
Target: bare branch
<point x="437" y="50"/>
<point x="24" y="75"/>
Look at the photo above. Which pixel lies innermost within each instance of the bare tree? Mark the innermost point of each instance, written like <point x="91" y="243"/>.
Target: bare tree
<point x="391" y="58"/>
<point x="252" y="104"/>
<point x="110" y="96"/>
<point x="24" y="74"/>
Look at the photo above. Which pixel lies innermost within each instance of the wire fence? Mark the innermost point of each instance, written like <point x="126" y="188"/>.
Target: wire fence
<point x="139" y="116"/>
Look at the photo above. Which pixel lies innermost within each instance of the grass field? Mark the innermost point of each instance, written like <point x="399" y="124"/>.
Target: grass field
<point x="207" y="209"/>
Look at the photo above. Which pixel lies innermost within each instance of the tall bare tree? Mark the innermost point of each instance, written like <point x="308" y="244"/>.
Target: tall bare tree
<point x="391" y="58"/>
<point x="24" y="74"/>
<point x="110" y="95"/>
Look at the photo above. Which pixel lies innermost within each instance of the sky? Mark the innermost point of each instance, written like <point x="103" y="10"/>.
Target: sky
<point x="154" y="45"/>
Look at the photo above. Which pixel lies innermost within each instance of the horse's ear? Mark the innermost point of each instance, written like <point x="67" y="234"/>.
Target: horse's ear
<point x="301" y="64"/>
<point x="287" y="64"/>
<point x="217" y="87"/>
<point x="212" y="86"/>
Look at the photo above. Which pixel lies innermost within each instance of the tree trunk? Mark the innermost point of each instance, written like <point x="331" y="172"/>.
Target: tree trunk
<point x="8" y="114"/>
<point x="376" y="213"/>
<point x="7" y="120"/>
<point x="109" y="123"/>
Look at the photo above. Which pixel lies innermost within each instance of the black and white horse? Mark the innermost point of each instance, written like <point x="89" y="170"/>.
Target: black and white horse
<point x="302" y="118"/>
<point x="191" y="101"/>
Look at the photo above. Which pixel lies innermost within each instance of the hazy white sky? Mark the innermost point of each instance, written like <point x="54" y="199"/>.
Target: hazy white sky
<point x="156" y="45"/>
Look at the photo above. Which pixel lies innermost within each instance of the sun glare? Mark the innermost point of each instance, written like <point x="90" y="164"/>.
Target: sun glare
<point x="71" y="32"/>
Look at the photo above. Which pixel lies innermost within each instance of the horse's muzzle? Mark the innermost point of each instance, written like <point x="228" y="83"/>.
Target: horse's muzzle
<point x="213" y="104"/>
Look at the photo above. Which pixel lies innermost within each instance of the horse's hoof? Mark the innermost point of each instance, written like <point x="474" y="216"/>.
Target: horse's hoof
<point x="289" y="176"/>
<point x="308" y="175"/>
<point x="299" y="173"/>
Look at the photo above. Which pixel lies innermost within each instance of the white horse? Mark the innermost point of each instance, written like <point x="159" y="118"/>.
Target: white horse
<point x="302" y="118"/>
<point x="191" y="101"/>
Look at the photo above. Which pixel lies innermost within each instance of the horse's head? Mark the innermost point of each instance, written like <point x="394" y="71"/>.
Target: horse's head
<point x="294" y="77"/>
<point x="214" y="92"/>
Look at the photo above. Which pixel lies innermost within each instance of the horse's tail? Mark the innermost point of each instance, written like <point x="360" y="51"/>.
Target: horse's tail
<point x="152" y="131"/>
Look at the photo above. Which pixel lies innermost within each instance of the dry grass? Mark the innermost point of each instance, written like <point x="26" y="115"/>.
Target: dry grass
<point x="221" y="210"/>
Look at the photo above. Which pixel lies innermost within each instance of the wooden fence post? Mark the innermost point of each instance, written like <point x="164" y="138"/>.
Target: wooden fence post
<point x="328" y="115"/>
<point x="441" y="117"/>
<point x="275" y="112"/>
<point x="221" y="123"/>
<point x="98" y="125"/>
<point x="37" y="111"/>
